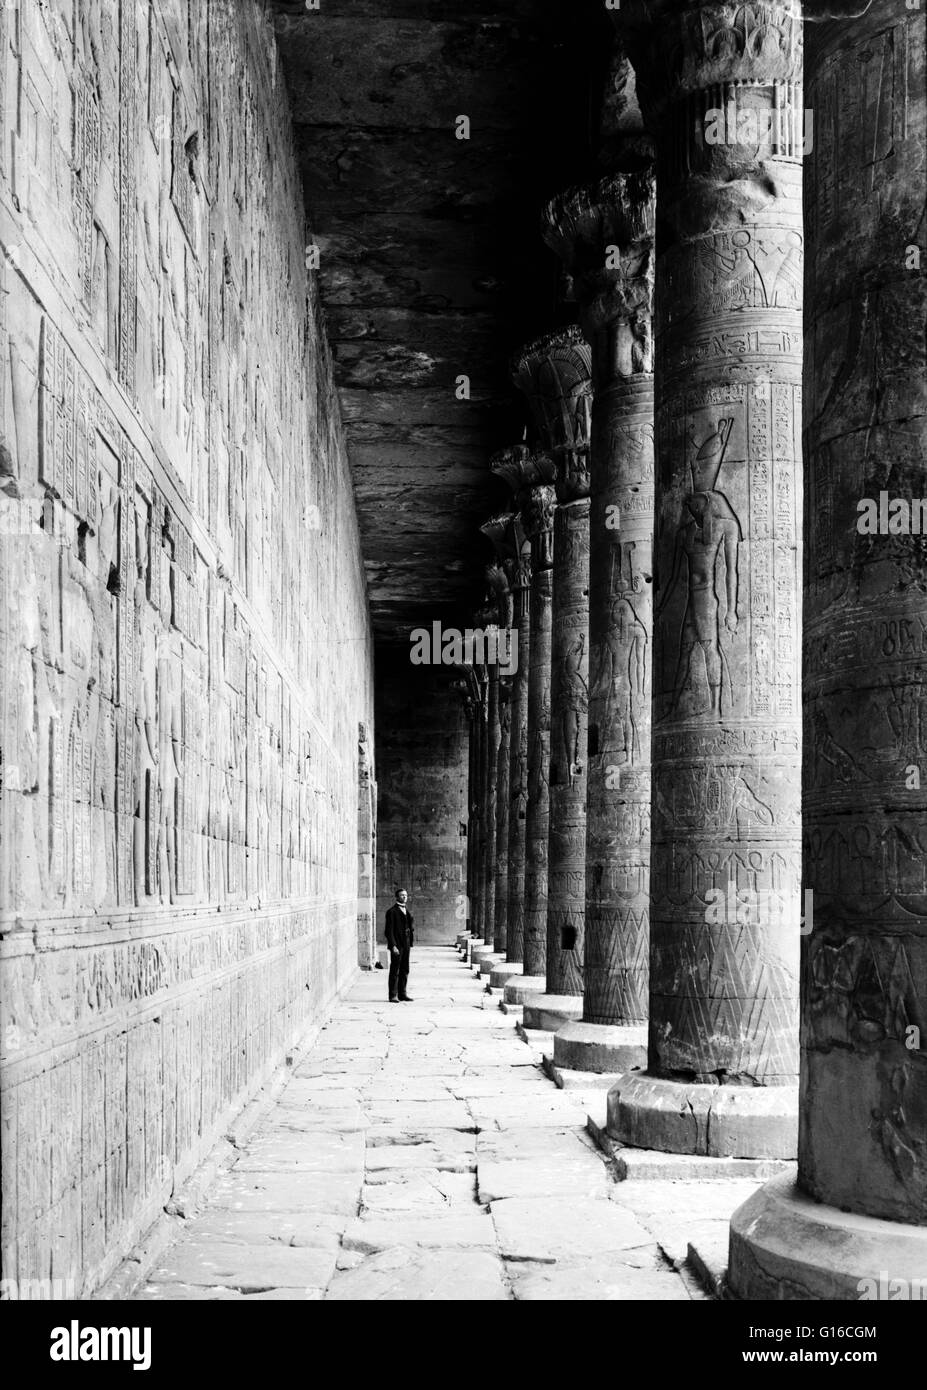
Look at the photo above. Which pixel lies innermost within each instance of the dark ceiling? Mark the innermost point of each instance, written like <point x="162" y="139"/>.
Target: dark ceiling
<point x="432" y="266"/>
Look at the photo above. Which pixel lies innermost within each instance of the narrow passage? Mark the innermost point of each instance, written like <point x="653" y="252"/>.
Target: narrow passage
<point x="419" y="1152"/>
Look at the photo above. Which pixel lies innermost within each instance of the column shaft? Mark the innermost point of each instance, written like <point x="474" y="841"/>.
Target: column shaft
<point x="857" y="1219"/>
<point x="724" y="899"/>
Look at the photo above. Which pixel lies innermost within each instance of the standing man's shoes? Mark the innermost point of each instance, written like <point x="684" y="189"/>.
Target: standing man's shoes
<point x="394" y="999"/>
<point x="405" y="999"/>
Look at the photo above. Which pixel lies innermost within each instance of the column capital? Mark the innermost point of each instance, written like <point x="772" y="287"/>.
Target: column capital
<point x="500" y="530"/>
<point x="523" y="468"/>
<point x="603" y="233"/>
<point x="679" y="48"/>
<point x="539" y="525"/>
<point x="555" y="373"/>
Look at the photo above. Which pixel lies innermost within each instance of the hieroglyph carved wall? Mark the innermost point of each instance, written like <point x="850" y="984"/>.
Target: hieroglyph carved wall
<point x="180" y="698"/>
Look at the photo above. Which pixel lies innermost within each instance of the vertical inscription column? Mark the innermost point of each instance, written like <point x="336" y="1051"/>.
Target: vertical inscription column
<point x="514" y="465"/>
<point x="538" y="515"/>
<point x="604" y="235"/>
<point x="555" y="375"/>
<point x="857" y="1217"/>
<point x="724" y="895"/>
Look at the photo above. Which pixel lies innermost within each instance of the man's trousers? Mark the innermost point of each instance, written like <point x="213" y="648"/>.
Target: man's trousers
<point x="398" y="973"/>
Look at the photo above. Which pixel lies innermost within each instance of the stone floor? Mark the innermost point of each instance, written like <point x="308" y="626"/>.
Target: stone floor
<point x="420" y="1152"/>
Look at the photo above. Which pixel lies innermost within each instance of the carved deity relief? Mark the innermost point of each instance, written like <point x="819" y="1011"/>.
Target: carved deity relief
<point x="705" y="560"/>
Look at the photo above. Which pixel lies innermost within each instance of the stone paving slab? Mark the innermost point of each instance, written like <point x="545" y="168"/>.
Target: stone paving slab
<point x="594" y="1280"/>
<point x="418" y="1190"/>
<point x="257" y="1266"/>
<point x="419" y="1153"/>
<point x="459" y="1229"/>
<point x="221" y="1225"/>
<point x="275" y="1192"/>
<point x="546" y="1228"/>
<point x="404" y="1275"/>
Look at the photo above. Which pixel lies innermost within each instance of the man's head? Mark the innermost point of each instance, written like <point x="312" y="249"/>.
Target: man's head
<point x="402" y="897"/>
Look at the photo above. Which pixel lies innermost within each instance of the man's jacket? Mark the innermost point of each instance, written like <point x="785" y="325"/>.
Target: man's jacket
<point x="399" y="932"/>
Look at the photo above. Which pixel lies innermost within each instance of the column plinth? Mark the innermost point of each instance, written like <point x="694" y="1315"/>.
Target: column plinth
<point x="854" y="1225"/>
<point x="726" y="740"/>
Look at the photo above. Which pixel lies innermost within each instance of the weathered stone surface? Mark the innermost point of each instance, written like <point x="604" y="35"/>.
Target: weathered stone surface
<point x="551" y="1229"/>
<point x="179" y="814"/>
<point x="419" y="1275"/>
<point x="548" y="1012"/>
<point x="786" y="1245"/>
<point x="457" y="1230"/>
<point x="723" y="988"/>
<point x="303" y="1190"/>
<point x="718" y="1121"/>
<point x="597" y="1280"/>
<point x="554" y="373"/>
<point x="419" y="1191"/>
<point x="596" y="1047"/>
<point x="862" y="1132"/>
<point x="589" y="227"/>
<point x="539" y="519"/>
<point x="246" y="1266"/>
<point x="517" y="991"/>
<point x="421" y="797"/>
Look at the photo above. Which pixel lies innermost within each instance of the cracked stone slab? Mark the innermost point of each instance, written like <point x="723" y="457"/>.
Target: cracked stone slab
<point x="337" y="1193"/>
<point x="447" y="1157"/>
<point x="420" y="1276"/>
<point x="201" y="1293"/>
<point x="419" y="1190"/>
<point x="530" y="1144"/>
<point x="275" y="1151"/>
<point x="419" y="1114"/>
<point x="535" y="1178"/>
<point x="604" y="1280"/>
<point x="561" y="1229"/>
<point x="315" y="1229"/>
<point x="233" y="1264"/>
<point x="459" y="1229"/>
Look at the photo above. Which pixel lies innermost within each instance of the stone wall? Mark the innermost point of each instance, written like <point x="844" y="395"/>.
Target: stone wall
<point x="422" y="744"/>
<point x="181" y="696"/>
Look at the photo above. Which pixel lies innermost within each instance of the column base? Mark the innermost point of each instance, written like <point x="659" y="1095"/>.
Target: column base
<point x="600" y="1047"/>
<point x="784" y="1245"/>
<point x="478" y="951"/>
<point x="518" y="990"/>
<point x="651" y="1112"/>
<point x="549" y="1012"/>
<point x="503" y="972"/>
<point x="488" y="963"/>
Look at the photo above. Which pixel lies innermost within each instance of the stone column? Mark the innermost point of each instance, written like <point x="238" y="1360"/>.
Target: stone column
<point x="605" y="236"/>
<point x="538" y="516"/>
<point x="514" y="466"/>
<point x="501" y="532"/>
<point x="463" y="689"/>
<point x="487" y="620"/>
<point x="855" y="1224"/>
<point x="555" y="375"/>
<point x="725" y="861"/>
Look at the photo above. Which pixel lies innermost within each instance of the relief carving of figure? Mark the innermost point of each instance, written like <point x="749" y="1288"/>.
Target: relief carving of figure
<point x="711" y="532"/>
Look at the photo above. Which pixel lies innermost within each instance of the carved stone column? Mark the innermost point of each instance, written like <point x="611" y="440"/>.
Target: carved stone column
<point x="504" y="534"/>
<point x="855" y="1225"/>
<point x="516" y="466"/>
<point x="554" y="374"/>
<point x="725" y="905"/>
<point x="605" y="236"/>
<point x="464" y="692"/>
<point x="538" y="514"/>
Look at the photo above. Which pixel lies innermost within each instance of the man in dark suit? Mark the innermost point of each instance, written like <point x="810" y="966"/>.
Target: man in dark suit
<point x="399" y="940"/>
